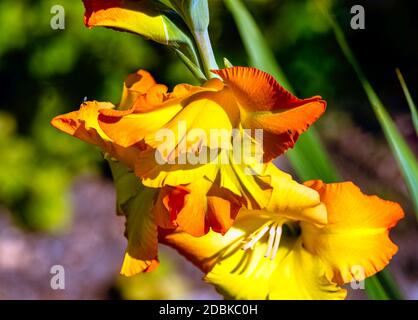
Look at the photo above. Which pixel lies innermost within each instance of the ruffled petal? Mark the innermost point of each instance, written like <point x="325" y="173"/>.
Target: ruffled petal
<point x="78" y="123"/>
<point x="129" y="129"/>
<point x="150" y="112"/>
<point x="136" y="84"/>
<point x="197" y="207"/>
<point x="266" y="105"/>
<point x="84" y="125"/>
<point x="357" y="233"/>
<point x="282" y="128"/>
<point x="258" y="91"/>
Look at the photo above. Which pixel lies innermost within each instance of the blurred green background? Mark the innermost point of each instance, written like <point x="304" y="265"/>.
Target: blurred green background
<point x="45" y="72"/>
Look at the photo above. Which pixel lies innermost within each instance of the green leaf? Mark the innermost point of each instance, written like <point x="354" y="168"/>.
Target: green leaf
<point x="404" y="156"/>
<point x="136" y="202"/>
<point x="194" y="12"/>
<point x="375" y="290"/>
<point x="141" y="227"/>
<point x="382" y="287"/>
<point x="126" y="183"/>
<point x="309" y="158"/>
<point x="411" y="104"/>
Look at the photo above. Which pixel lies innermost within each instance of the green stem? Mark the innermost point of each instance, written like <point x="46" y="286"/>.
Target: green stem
<point x="205" y="51"/>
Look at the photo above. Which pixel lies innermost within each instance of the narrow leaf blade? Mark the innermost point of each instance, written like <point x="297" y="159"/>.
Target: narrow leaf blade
<point x="411" y="104"/>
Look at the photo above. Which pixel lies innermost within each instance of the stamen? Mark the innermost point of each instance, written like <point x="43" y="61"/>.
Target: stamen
<point x="270" y="242"/>
<point x="259" y="235"/>
<point x="276" y="242"/>
<point x="275" y="233"/>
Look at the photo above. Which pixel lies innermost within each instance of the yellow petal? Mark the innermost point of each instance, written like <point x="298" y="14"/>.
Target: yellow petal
<point x="293" y="274"/>
<point x="127" y="130"/>
<point x="78" y="123"/>
<point x="357" y="233"/>
<point x="156" y="175"/>
<point x="292" y="199"/>
<point x="239" y="179"/>
<point x="203" y="251"/>
<point x="135" y="84"/>
<point x="132" y="266"/>
<point x="198" y="125"/>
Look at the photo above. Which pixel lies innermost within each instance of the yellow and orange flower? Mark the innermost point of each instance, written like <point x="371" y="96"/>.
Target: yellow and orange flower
<point x="299" y="241"/>
<point x="286" y="255"/>
<point x="204" y="195"/>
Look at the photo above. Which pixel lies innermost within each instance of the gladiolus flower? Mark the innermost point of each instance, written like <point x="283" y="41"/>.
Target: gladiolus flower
<point x="247" y="98"/>
<point x="284" y="255"/>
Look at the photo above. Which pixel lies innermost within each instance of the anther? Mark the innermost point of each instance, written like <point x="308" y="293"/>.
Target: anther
<point x="272" y="233"/>
<point x="276" y="242"/>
